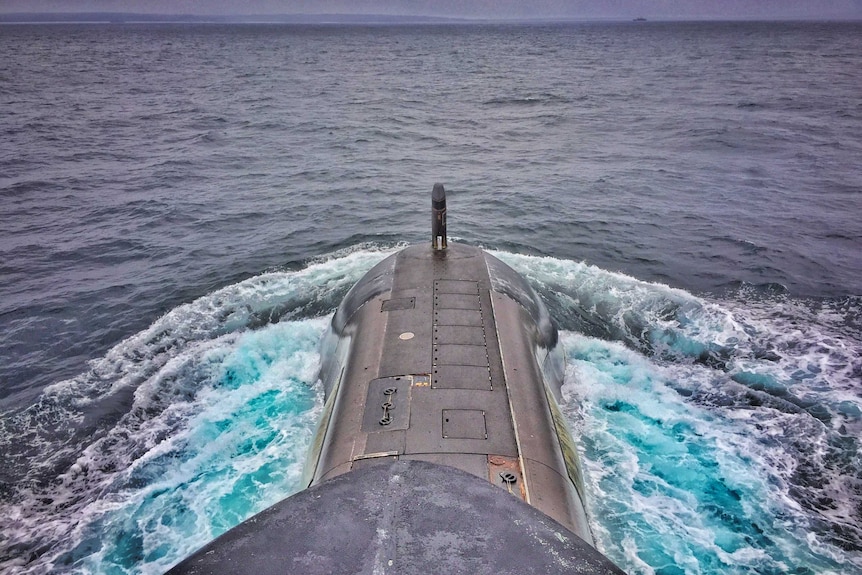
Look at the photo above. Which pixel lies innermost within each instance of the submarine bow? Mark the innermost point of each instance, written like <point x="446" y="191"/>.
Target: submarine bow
<point x="441" y="444"/>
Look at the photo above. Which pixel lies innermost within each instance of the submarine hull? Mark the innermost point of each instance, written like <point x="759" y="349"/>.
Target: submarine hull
<point x="459" y="340"/>
<point x="440" y="446"/>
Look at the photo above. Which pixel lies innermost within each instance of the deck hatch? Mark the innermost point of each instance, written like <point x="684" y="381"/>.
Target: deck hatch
<point x="464" y="424"/>
<point x="460" y="334"/>
<point x="475" y="355"/>
<point x="457" y="301"/>
<point x="398" y="303"/>
<point x="458" y="317"/>
<point x="462" y="377"/>
<point x="456" y="286"/>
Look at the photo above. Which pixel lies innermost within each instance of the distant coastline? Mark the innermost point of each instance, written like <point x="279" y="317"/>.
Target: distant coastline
<point x="338" y="19"/>
<point x="132" y="18"/>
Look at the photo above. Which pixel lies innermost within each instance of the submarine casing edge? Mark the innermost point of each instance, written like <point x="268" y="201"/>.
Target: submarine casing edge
<point x="479" y="344"/>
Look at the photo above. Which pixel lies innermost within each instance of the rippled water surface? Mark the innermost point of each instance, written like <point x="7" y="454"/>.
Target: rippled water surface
<point x="184" y="206"/>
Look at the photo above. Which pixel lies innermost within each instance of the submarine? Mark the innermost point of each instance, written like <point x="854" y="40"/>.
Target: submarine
<point x="441" y="447"/>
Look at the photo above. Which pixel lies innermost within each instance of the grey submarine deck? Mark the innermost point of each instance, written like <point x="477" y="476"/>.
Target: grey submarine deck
<point x="455" y="361"/>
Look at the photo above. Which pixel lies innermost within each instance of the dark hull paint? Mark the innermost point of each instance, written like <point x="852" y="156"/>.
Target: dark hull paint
<point x="405" y="518"/>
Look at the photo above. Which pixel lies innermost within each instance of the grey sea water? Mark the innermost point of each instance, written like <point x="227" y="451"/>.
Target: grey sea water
<point x="184" y="206"/>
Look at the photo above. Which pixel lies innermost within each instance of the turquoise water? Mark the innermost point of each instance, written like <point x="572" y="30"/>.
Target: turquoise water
<point x="710" y="428"/>
<point x="220" y="399"/>
<point x="693" y="438"/>
<point x="240" y="448"/>
<point x="678" y="488"/>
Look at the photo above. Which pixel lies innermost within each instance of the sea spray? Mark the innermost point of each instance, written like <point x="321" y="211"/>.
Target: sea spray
<point x="179" y="432"/>
<point x="674" y="485"/>
<point x="718" y="433"/>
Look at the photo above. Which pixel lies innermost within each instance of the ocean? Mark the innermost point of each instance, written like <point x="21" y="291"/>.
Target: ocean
<point x="184" y="206"/>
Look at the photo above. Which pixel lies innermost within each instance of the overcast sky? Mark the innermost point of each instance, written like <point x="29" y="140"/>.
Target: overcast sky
<point x="778" y="9"/>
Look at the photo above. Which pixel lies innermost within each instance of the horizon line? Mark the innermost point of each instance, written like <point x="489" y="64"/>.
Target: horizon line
<point x="121" y="17"/>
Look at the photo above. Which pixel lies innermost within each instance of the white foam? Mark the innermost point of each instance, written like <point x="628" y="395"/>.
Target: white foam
<point x="215" y="431"/>
<point x="816" y="349"/>
<point x="178" y="333"/>
<point x="653" y="459"/>
<point x="666" y="319"/>
<point x="175" y="373"/>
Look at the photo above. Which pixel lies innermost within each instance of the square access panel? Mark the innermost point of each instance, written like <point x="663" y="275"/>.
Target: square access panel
<point x="462" y="377"/>
<point x="464" y="424"/>
<point x="398" y="303"/>
<point x="457" y="286"/>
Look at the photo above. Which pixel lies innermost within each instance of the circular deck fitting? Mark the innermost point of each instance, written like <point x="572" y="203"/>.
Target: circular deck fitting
<point x="406" y="335"/>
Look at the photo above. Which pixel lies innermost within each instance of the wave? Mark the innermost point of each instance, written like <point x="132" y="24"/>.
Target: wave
<point x="706" y="488"/>
<point x="718" y="435"/>
<point x="528" y="100"/>
<point x="178" y="433"/>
